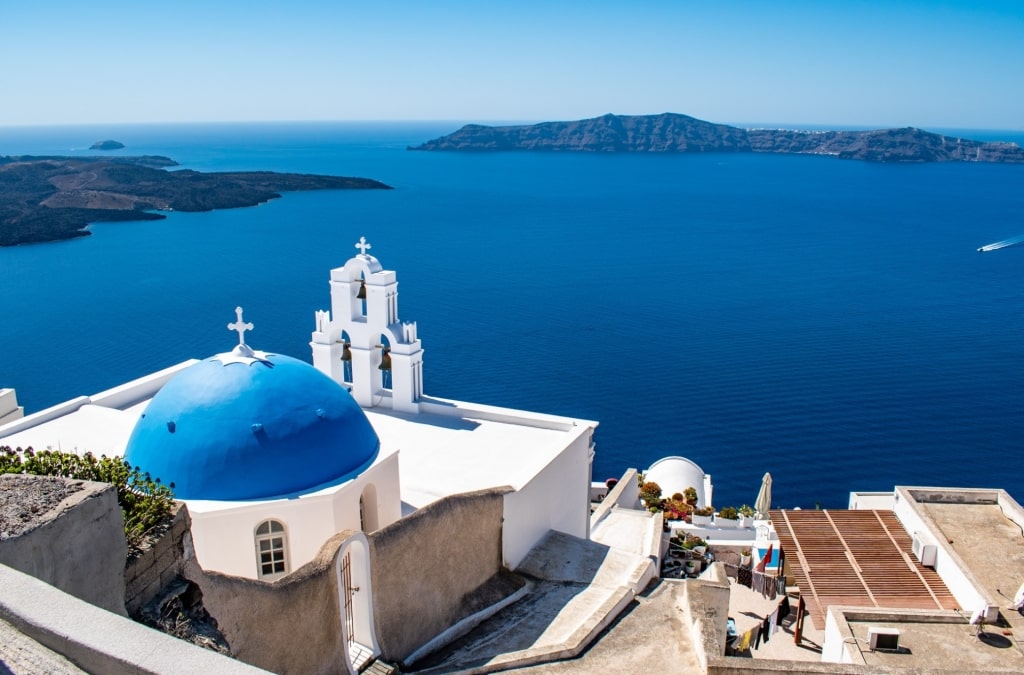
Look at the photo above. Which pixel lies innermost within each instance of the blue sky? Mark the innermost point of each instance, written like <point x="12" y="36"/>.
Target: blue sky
<point x="871" y="63"/>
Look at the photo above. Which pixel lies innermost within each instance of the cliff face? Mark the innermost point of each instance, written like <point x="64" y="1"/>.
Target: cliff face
<point x="671" y="132"/>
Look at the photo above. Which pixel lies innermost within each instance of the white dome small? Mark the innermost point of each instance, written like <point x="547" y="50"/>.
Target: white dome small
<point x="675" y="474"/>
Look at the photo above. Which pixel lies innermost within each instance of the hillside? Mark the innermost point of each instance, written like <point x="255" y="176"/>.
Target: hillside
<point x="671" y="132"/>
<point x="53" y="198"/>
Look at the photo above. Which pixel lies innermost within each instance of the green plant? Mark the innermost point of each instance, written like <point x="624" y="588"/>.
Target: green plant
<point x="729" y="513"/>
<point x="746" y="551"/>
<point x="696" y="541"/>
<point x="144" y="502"/>
<point x="746" y="511"/>
<point x="705" y="511"/>
<point x="690" y="492"/>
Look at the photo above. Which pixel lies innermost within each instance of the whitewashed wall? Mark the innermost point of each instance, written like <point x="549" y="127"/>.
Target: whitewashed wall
<point x="558" y="498"/>
<point x="224" y="539"/>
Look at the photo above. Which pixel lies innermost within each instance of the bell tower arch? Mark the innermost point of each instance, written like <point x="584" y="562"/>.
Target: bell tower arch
<point x="362" y="335"/>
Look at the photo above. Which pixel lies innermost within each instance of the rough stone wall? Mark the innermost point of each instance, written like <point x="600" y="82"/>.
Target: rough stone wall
<point x="291" y="625"/>
<point x="154" y="567"/>
<point x="426" y="566"/>
<point x="78" y="547"/>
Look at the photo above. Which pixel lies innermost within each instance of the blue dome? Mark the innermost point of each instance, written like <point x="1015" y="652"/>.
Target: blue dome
<point x="236" y="429"/>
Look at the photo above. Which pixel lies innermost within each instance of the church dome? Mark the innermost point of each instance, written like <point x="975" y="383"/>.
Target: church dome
<point x="250" y="425"/>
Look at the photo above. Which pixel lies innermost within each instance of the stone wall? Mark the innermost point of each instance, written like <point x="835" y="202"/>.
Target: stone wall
<point x="427" y="566"/>
<point x="291" y="625"/>
<point x="78" y="546"/>
<point x="153" y="568"/>
<point x="429" y="571"/>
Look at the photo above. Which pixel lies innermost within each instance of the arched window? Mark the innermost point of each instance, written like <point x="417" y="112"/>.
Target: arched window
<point x="271" y="550"/>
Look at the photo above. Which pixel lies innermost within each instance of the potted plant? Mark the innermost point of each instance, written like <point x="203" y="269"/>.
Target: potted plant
<point x="675" y="509"/>
<point x="692" y="566"/>
<point x="746" y="516"/>
<point x="650" y="493"/>
<point x="702" y="516"/>
<point x="690" y="495"/>
<point x="728" y="517"/>
<point x="745" y="557"/>
<point x="698" y="545"/>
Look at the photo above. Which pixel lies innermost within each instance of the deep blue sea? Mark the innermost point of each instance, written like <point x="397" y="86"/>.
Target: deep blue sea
<point x="829" y="321"/>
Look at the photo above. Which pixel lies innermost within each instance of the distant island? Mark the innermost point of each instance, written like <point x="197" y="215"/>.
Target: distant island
<point x="671" y="132"/>
<point x="106" y="145"/>
<point x="53" y="198"/>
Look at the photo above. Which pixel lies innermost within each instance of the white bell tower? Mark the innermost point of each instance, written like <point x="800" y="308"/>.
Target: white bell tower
<point x="361" y="344"/>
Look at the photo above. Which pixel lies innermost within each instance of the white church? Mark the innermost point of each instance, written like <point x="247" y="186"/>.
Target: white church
<point x="274" y="456"/>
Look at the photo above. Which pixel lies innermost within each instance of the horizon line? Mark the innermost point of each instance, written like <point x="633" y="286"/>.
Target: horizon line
<point x="492" y="122"/>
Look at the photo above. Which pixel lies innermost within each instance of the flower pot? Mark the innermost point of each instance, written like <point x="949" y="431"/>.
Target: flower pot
<point x="700" y="520"/>
<point x="746" y="521"/>
<point x="692" y="566"/>
<point x="744" y="559"/>
<point x="699" y="550"/>
<point x="726" y="523"/>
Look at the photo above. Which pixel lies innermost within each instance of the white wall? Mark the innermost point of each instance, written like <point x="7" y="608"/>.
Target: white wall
<point x="878" y="501"/>
<point x="949" y="566"/>
<point x="558" y="498"/>
<point x="224" y="538"/>
<point x="833" y="649"/>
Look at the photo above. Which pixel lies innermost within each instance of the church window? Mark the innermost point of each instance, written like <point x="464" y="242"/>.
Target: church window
<point x="271" y="550"/>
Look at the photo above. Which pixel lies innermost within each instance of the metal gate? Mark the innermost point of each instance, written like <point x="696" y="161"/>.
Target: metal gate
<point x="349" y="591"/>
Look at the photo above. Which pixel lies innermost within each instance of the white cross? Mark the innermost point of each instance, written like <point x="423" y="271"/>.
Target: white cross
<point x="240" y="326"/>
<point x="362" y="245"/>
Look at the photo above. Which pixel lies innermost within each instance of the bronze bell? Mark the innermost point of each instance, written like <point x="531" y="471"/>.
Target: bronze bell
<point x="385" y="360"/>
<point x="361" y="295"/>
<point x="346" y="353"/>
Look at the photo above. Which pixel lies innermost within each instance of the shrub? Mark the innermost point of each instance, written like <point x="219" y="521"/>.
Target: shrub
<point x="144" y="502"/>
<point x="690" y="492"/>
<point x="677" y="497"/>
<point x="650" y="488"/>
<point x="746" y="511"/>
<point x="706" y="511"/>
<point x="729" y="513"/>
<point x="675" y="509"/>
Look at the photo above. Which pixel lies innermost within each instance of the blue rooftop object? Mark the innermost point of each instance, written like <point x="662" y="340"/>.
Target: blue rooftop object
<point x="231" y="428"/>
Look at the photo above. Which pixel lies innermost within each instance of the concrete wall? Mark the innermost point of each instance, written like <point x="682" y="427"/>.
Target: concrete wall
<point x="152" y="569"/>
<point x="625" y="494"/>
<point x="833" y="649"/>
<point x="427" y="564"/>
<point x="878" y="501"/>
<point x="78" y="547"/>
<point x="9" y="408"/>
<point x="948" y="563"/>
<point x="557" y="498"/>
<point x="224" y="538"/>
<point x="98" y="641"/>
<point x="423" y="569"/>
<point x="292" y="625"/>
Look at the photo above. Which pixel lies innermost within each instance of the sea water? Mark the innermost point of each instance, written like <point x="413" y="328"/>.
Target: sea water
<point x="829" y="321"/>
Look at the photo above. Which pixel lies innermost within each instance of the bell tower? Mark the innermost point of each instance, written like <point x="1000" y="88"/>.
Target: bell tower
<point x="360" y="342"/>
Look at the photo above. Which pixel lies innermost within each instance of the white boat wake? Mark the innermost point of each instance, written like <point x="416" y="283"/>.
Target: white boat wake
<point x="1012" y="241"/>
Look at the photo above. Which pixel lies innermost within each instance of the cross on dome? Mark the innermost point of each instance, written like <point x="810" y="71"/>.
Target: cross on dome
<point x="362" y="245"/>
<point x="240" y="326"/>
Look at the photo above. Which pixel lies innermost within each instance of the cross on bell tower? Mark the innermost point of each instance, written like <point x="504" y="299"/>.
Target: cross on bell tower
<point x="362" y="245"/>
